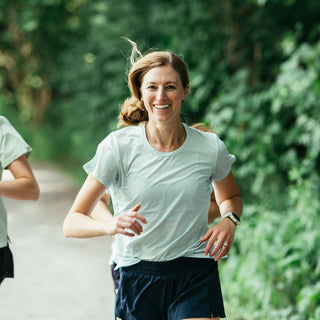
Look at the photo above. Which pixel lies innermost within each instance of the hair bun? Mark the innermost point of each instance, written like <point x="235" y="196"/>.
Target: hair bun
<point x="132" y="113"/>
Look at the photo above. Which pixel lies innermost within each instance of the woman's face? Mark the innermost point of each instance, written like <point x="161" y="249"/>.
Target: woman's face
<point x="162" y="93"/>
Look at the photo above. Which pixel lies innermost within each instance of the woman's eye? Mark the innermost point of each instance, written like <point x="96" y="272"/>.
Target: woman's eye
<point x="171" y="87"/>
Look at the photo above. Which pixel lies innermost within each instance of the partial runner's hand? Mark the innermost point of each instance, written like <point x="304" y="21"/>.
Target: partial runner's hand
<point x="127" y="220"/>
<point x="219" y="238"/>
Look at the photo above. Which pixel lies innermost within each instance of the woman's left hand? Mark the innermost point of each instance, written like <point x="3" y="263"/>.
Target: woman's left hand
<point x="219" y="238"/>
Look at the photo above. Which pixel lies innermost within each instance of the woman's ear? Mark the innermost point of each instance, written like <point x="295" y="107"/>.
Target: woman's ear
<point x="185" y="94"/>
<point x="186" y="91"/>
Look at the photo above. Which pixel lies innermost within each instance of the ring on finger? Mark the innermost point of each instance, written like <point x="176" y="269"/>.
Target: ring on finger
<point x="226" y="244"/>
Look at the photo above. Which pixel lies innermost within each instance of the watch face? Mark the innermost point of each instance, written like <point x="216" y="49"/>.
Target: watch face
<point x="235" y="216"/>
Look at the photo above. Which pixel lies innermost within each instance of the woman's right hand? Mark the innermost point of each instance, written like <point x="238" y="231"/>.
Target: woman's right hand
<point x="127" y="220"/>
<point x="79" y="224"/>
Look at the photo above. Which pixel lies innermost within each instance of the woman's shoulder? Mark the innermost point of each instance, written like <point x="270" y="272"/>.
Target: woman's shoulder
<point x="4" y="120"/>
<point x="128" y="132"/>
<point x="6" y="126"/>
<point x="199" y="134"/>
<point x="123" y="135"/>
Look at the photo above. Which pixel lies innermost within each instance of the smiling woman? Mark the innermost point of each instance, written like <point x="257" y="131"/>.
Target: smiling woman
<point x="160" y="173"/>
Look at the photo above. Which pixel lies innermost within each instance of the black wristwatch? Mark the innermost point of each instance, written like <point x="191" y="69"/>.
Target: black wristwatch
<point x="233" y="217"/>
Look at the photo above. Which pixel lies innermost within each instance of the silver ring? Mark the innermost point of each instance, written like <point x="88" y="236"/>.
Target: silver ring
<point x="226" y="245"/>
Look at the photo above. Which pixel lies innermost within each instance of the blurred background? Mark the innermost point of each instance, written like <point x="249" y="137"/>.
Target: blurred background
<point x="255" y="78"/>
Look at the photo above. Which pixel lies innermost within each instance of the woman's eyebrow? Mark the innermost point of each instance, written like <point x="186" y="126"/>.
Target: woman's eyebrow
<point x="152" y="82"/>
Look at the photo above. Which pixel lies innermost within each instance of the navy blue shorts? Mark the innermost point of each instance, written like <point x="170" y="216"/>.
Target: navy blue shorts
<point x="173" y="290"/>
<point x="6" y="263"/>
<point x="115" y="276"/>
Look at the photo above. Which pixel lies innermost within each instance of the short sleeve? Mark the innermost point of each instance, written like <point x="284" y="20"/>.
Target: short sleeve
<point x="104" y="166"/>
<point x="224" y="161"/>
<point x="12" y="145"/>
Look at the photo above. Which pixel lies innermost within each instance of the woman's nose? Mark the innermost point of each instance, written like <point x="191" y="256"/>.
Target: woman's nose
<point x="161" y="94"/>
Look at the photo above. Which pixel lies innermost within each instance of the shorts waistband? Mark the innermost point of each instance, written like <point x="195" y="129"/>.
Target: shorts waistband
<point x="176" y="266"/>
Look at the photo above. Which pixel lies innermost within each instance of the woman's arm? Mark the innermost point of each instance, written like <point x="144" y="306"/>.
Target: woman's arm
<point x="228" y="198"/>
<point x="79" y="223"/>
<point x="214" y="211"/>
<point x="24" y="186"/>
<point x="228" y="195"/>
<point x="101" y="210"/>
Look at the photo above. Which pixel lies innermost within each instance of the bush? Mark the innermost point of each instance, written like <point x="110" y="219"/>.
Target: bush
<point x="275" y="133"/>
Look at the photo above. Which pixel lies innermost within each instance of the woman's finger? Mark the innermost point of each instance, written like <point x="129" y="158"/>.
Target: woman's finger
<point x="222" y="251"/>
<point x="141" y="218"/>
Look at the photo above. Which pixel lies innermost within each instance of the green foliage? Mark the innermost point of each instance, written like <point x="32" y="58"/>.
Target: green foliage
<point x="275" y="134"/>
<point x="275" y="130"/>
<point x="272" y="272"/>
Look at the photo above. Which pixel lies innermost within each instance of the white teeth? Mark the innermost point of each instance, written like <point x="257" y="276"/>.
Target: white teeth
<point x="164" y="106"/>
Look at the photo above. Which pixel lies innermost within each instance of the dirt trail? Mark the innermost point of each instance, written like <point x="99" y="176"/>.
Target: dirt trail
<point x="55" y="278"/>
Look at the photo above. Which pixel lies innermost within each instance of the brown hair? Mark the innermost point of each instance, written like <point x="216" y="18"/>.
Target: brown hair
<point x="202" y="127"/>
<point x="133" y="110"/>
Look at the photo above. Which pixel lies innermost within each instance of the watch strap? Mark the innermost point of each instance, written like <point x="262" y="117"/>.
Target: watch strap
<point x="232" y="216"/>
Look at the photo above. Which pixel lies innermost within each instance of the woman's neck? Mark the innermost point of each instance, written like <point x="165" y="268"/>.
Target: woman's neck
<point x="165" y="138"/>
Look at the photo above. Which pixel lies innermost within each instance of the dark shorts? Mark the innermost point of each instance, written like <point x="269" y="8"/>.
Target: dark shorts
<point x="6" y="263"/>
<point x="172" y="290"/>
<point x="115" y="277"/>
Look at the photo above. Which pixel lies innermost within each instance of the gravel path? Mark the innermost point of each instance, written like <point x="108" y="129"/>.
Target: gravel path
<point x="55" y="277"/>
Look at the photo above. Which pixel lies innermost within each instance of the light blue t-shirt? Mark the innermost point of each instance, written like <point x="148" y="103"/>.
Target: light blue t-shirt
<point x="172" y="188"/>
<point x="12" y="146"/>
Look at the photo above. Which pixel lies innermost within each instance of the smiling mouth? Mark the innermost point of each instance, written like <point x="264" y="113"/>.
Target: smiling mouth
<point x="162" y="106"/>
